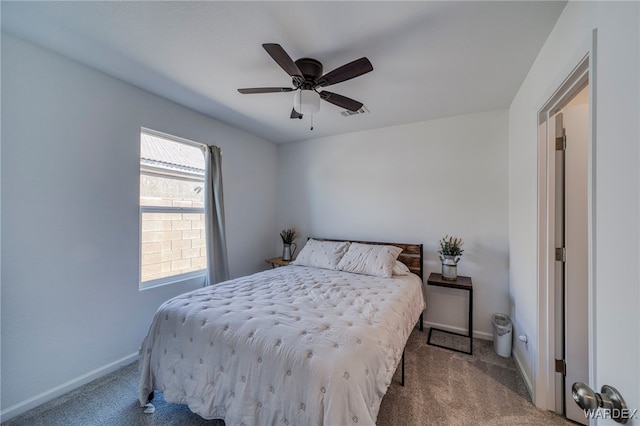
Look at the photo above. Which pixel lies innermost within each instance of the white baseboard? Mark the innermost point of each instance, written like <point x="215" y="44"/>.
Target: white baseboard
<point x="476" y="334"/>
<point x="33" y="402"/>
<point x="525" y="377"/>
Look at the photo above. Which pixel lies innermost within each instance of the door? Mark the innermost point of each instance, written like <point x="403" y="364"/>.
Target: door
<point x="559" y="273"/>
<point x="576" y="316"/>
<point x="613" y="293"/>
<point x="572" y="258"/>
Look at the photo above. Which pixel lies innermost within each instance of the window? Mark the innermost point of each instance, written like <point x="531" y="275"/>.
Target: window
<point x="172" y="235"/>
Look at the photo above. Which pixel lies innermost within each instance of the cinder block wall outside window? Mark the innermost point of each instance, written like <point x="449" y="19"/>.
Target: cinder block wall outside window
<point x="172" y="243"/>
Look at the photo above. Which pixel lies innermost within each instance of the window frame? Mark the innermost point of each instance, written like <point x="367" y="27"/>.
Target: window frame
<point x="177" y="278"/>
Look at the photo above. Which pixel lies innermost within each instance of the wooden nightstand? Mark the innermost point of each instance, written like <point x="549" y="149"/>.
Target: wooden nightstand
<point x="277" y="261"/>
<point x="461" y="283"/>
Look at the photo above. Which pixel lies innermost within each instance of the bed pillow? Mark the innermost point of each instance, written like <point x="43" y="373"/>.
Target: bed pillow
<point x="400" y="268"/>
<point x="370" y="259"/>
<point x="321" y="254"/>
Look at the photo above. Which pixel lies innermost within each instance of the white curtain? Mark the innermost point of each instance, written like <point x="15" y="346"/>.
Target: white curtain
<point x="217" y="262"/>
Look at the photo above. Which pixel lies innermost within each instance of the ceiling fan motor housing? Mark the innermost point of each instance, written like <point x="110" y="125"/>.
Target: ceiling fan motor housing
<point x="311" y="70"/>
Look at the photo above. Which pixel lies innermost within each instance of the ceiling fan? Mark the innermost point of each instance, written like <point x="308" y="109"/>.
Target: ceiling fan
<point x="308" y="81"/>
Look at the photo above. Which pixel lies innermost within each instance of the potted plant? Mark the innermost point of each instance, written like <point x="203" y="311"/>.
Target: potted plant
<point x="450" y="252"/>
<point x="288" y="235"/>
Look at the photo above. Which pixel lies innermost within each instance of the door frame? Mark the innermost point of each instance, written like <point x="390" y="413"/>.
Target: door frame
<point x="581" y="71"/>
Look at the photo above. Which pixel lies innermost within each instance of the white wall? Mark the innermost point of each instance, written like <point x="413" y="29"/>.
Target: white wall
<point x="616" y="186"/>
<point x="71" y="309"/>
<point x="412" y="183"/>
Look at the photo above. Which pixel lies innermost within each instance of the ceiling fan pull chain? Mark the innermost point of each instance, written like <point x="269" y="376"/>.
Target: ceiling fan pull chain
<point x="311" y="122"/>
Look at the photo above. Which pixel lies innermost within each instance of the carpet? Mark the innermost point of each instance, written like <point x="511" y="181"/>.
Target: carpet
<point x="442" y="387"/>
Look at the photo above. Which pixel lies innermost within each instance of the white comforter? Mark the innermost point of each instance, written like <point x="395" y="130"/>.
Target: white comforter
<point x="294" y="345"/>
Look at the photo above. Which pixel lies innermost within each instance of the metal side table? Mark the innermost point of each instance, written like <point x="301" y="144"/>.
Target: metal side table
<point x="461" y="283"/>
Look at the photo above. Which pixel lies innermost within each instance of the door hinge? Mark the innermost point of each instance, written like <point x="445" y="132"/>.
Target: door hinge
<point x="561" y="254"/>
<point x="561" y="366"/>
<point x="561" y="143"/>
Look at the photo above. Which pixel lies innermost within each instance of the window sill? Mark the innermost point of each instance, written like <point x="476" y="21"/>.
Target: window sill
<point x="194" y="278"/>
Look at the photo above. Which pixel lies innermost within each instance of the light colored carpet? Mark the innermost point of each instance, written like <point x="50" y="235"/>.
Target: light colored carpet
<point x="442" y="388"/>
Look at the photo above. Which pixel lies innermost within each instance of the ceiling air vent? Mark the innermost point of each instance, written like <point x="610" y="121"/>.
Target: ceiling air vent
<point x="347" y="113"/>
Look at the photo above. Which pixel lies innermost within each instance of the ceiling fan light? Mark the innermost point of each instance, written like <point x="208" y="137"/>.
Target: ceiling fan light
<point x="306" y="102"/>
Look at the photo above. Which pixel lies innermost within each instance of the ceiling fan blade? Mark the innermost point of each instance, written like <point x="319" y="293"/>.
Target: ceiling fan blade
<point x="265" y="90"/>
<point x="295" y="114"/>
<point x="284" y="60"/>
<point x="346" y="72"/>
<point x="341" y="101"/>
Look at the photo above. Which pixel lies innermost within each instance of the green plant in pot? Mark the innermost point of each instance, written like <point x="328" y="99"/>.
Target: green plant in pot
<point x="288" y="235"/>
<point x="450" y="252"/>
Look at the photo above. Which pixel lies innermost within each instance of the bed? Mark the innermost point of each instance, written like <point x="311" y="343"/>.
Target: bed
<point x="305" y="344"/>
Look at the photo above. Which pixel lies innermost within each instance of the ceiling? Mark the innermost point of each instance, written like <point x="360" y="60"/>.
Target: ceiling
<point x="431" y="59"/>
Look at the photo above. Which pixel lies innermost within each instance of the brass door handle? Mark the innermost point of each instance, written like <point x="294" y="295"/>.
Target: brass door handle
<point x="609" y="398"/>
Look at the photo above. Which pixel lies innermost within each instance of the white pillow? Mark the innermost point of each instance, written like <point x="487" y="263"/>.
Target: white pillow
<point x="321" y="254"/>
<point x="370" y="259"/>
<point x="400" y="268"/>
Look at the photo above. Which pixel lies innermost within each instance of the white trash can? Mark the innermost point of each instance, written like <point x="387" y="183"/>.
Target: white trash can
<point x="502" y="334"/>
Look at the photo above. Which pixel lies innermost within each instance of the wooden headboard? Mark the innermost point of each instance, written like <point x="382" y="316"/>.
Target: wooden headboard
<point x="411" y="254"/>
